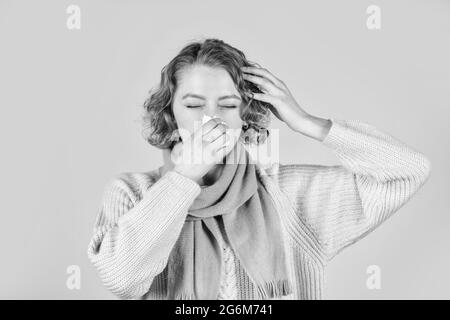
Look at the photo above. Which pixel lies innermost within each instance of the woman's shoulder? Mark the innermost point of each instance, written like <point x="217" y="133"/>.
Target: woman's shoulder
<point x="134" y="183"/>
<point x="297" y="177"/>
<point x="276" y="169"/>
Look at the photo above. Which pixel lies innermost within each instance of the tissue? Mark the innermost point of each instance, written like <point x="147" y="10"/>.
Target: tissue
<point x="206" y="118"/>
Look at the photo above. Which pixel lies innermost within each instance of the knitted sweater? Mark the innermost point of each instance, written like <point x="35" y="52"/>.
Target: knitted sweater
<point x="228" y="284"/>
<point x="323" y="209"/>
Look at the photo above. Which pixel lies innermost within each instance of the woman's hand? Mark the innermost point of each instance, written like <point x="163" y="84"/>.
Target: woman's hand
<point x="284" y="106"/>
<point x="198" y="152"/>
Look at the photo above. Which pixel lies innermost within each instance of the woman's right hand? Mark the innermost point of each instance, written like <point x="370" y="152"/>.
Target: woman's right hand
<point x="198" y="153"/>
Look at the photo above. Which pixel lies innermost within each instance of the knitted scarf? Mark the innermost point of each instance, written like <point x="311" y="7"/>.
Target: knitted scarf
<point x="239" y="201"/>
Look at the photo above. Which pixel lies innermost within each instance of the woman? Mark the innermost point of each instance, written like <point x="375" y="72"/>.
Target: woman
<point x="225" y="227"/>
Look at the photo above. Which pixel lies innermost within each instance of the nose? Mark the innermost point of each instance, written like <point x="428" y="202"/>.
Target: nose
<point x="206" y="118"/>
<point x="211" y="109"/>
<point x="210" y="113"/>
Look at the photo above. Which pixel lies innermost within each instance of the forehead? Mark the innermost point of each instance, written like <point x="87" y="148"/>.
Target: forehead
<point x="205" y="79"/>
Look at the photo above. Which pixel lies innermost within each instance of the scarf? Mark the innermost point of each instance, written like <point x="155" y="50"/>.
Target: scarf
<point x="240" y="202"/>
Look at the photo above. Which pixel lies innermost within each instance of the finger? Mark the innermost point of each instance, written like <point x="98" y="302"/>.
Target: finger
<point x="220" y="141"/>
<point x="262" y="97"/>
<point x="210" y="125"/>
<point x="269" y="99"/>
<point x="214" y="133"/>
<point x="264" y="73"/>
<point x="221" y="151"/>
<point x="265" y="84"/>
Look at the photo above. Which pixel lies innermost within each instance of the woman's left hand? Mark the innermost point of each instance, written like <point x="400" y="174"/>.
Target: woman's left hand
<point x="284" y="106"/>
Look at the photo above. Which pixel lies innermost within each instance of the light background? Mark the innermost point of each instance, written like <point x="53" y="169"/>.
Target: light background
<point x="71" y="100"/>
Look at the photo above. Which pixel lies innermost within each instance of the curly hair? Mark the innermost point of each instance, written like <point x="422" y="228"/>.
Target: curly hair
<point x="159" y="126"/>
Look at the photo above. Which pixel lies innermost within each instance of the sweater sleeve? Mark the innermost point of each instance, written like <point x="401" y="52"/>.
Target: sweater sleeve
<point x="133" y="239"/>
<point x="344" y="203"/>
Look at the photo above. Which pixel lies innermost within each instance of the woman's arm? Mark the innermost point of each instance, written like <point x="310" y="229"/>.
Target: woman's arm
<point x="132" y="239"/>
<point x="342" y="204"/>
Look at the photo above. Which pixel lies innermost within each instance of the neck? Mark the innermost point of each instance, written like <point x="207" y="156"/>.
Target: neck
<point x="212" y="175"/>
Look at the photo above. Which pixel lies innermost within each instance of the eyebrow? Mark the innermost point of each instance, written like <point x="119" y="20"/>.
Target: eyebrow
<point x="193" y="95"/>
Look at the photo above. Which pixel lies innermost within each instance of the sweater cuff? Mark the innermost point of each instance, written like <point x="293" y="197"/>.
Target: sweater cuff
<point x="185" y="185"/>
<point x="335" y="138"/>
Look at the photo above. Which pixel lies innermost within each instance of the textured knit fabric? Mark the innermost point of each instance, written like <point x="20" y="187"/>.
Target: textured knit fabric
<point x="229" y="282"/>
<point x="324" y="209"/>
<point x="253" y="227"/>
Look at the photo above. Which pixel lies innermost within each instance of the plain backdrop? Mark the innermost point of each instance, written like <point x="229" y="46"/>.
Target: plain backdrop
<point x="71" y="101"/>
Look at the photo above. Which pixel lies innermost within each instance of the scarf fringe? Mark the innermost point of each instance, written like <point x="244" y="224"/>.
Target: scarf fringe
<point x="275" y="288"/>
<point x="271" y="289"/>
<point x="185" y="296"/>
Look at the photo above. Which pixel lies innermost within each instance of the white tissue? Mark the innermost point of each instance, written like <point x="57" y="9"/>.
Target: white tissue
<point x="206" y="118"/>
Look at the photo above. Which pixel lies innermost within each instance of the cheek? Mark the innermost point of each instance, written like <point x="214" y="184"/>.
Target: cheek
<point x="233" y="119"/>
<point x="234" y="133"/>
<point x="184" y="119"/>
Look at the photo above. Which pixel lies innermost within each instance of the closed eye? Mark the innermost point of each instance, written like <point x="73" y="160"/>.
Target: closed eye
<point x="228" y="107"/>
